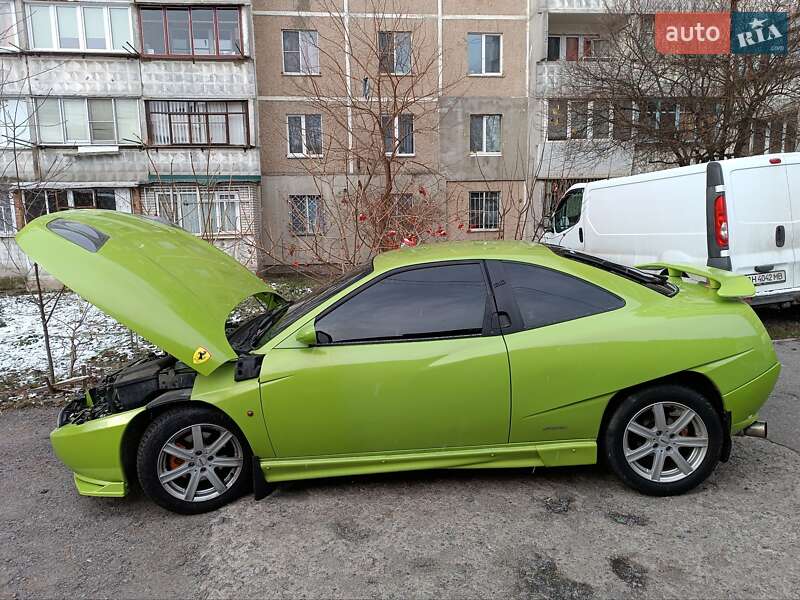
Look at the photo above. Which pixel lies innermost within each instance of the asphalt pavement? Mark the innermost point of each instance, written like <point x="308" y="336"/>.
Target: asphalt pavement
<point x="556" y="533"/>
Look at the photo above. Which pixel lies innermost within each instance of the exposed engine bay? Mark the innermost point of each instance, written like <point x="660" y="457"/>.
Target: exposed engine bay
<point x="133" y="386"/>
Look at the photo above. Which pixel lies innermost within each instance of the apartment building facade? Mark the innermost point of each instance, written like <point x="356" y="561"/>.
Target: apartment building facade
<point x="241" y="120"/>
<point x="498" y="90"/>
<point x="137" y="107"/>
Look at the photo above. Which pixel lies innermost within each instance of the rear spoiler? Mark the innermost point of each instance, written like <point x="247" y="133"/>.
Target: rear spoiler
<point x="727" y="284"/>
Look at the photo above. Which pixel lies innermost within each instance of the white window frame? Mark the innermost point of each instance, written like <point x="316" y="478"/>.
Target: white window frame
<point x="87" y="142"/>
<point x="484" y="152"/>
<point x="483" y="72"/>
<point x="582" y="38"/>
<point x="8" y="215"/>
<point x="396" y="138"/>
<point x="213" y="198"/>
<point x="315" y="228"/>
<point x="11" y="41"/>
<point x="82" y="49"/>
<point x="305" y="69"/>
<point x="394" y="70"/>
<point x="483" y="210"/>
<point x="304" y="153"/>
<point x="22" y="129"/>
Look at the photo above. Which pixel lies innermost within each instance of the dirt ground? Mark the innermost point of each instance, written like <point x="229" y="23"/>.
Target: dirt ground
<point x="556" y="533"/>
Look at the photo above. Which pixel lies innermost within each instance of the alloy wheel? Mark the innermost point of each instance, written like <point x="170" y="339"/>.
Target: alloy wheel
<point x="665" y="442"/>
<point x="200" y="462"/>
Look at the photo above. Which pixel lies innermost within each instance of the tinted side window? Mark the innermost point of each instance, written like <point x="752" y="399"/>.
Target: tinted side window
<point x="437" y="301"/>
<point x="568" y="212"/>
<point x="546" y="297"/>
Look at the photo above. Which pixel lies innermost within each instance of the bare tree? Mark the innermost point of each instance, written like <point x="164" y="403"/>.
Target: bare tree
<point x="372" y="158"/>
<point x="669" y="109"/>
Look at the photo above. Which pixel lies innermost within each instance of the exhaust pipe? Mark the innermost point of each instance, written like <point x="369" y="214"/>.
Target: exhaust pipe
<point x="757" y="429"/>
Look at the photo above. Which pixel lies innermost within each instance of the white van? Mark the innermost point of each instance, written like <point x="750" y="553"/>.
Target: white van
<point x="742" y="215"/>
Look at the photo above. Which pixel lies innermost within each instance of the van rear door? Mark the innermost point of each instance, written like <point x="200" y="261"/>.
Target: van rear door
<point x="760" y="222"/>
<point x="793" y="179"/>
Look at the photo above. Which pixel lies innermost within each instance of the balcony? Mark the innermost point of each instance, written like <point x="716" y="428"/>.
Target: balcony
<point x="575" y="6"/>
<point x="549" y="78"/>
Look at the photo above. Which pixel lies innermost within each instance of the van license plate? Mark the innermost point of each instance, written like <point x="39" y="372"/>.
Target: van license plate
<point x="767" y="278"/>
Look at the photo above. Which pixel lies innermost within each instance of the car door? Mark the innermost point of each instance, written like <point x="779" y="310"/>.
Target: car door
<point x="407" y="361"/>
<point x="567" y="228"/>
<point x="558" y="323"/>
<point x="761" y="227"/>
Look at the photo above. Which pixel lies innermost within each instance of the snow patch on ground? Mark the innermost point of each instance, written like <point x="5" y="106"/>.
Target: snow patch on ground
<point x="80" y="336"/>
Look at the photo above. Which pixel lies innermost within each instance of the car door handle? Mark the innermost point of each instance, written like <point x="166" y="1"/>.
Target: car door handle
<point x="764" y="268"/>
<point x="580" y="234"/>
<point x="780" y="236"/>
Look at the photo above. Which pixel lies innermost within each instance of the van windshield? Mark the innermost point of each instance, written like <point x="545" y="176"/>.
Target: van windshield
<point x="568" y="212"/>
<point x="654" y="281"/>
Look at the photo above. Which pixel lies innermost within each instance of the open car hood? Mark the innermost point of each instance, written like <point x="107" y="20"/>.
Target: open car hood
<point x="167" y="285"/>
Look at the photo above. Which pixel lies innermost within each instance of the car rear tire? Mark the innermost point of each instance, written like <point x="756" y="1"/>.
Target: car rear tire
<point x="663" y="440"/>
<point x="193" y="460"/>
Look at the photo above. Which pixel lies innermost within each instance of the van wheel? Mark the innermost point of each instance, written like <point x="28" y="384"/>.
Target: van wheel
<point x="663" y="440"/>
<point x="192" y="460"/>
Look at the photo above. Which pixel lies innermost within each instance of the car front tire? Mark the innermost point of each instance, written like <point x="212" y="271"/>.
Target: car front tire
<point x="193" y="460"/>
<point x="663" y="440"/>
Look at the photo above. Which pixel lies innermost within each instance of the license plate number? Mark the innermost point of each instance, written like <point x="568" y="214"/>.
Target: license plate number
<point x="767" y="278"/>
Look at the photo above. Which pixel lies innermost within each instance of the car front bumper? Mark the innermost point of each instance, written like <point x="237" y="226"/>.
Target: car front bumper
<point x="93" y="452"/>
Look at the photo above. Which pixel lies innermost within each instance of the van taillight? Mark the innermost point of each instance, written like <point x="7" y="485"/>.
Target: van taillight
<point x="721" y="222"/>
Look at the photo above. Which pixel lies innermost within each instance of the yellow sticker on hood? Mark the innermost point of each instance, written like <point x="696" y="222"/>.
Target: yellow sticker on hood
<point x="201" y="355"/>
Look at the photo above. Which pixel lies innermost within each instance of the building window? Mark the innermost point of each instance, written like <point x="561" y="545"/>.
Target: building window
<point x="7" y="224"/>
<point x="199" y="210"/>
<point x="484" y="134"/>
<point x="305" y="214"/>
<point x="8" y="26"/>
<point x="14" y="128"/>
<point x="575" y="47"/>
<point x="304" y="134"/>
<point x="196" y="123"/>
<point x="394" y="48"/>
<point x="42" y="202"/>
<point x="88" y="121"/>
<point x="398" y="134"/>
<point x="485" y="53"/>
<point x="79" y="27"/>
<point x="484" y="211"/>
<point x="301" y="52"/>
<point x="196" y="31"/>
<point x="578" y="119"/>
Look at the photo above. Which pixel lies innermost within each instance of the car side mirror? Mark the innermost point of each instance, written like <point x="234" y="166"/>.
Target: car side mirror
<point x="307" y="335"/>
<point x="547" y="223"/>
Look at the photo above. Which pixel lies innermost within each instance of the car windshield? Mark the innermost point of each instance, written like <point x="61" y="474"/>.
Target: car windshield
<point x="654" y="281"/>
<point x="286" y="315"/>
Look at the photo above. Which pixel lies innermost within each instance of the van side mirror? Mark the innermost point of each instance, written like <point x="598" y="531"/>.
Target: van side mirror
<point x="547" y="223"/>
<point x="307" y="335"/>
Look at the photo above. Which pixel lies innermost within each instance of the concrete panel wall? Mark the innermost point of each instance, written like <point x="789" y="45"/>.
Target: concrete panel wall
<point x="458" y="164"/>
<point x="198" y="80"/>
<point x="79" y="76"/>
<point x="217" y="162"/>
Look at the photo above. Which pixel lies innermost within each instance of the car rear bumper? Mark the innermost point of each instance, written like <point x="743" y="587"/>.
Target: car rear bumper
<point x="744" y="402"/>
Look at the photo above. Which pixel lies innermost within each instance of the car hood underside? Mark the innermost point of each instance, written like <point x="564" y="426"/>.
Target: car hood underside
<point x="167" y="285"/>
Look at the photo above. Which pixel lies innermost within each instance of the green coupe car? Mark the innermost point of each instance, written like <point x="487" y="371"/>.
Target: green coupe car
<point x="452" y="355"/>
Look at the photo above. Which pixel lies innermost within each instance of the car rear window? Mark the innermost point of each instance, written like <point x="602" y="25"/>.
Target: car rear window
<point x="546" y="297"/>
